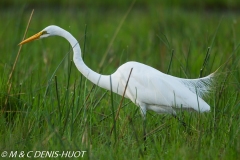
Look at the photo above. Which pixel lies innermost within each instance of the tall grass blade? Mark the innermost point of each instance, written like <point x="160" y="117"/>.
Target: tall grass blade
<point x="120" y="105"/>
<point x="9" y="84"/>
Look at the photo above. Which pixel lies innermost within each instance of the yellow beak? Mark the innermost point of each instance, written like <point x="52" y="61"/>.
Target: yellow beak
<point x="36" y="36"/>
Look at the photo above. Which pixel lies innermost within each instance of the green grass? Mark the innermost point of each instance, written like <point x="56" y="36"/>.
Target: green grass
<point x="62" y="111"/>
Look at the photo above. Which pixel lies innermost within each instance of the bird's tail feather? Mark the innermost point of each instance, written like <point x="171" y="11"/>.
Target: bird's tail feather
<point x="200" y="86"/>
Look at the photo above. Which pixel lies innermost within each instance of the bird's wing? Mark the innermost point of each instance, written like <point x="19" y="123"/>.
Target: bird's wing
<point x="148" y="85"/>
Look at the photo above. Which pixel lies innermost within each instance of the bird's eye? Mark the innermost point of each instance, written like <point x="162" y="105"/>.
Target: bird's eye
<point x="44" y="32"/>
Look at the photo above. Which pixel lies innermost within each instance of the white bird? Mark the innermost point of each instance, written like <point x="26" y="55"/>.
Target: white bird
<point x="147" y="87"/>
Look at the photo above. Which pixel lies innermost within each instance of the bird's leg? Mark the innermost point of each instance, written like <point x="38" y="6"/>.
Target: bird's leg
<point x="187" y="128"/>
<point x="144" y="133"/>
<point x="179" y="120"/>
<point x="143" y="111"/>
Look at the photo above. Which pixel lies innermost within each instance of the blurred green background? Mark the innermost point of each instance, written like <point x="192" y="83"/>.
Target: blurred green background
<point x="107" y="4"/>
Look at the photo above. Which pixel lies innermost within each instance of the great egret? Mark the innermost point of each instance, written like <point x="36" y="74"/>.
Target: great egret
<point x="147" y="87"/>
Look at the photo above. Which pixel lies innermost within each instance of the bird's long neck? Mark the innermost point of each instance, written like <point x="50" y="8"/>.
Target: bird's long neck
<point x="96" y="78"/>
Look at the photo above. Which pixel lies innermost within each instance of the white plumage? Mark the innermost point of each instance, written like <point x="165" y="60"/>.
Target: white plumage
<point x="148" y="88"/>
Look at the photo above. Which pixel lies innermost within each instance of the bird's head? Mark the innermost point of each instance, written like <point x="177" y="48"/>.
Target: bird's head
<point x="46" y="32"/>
